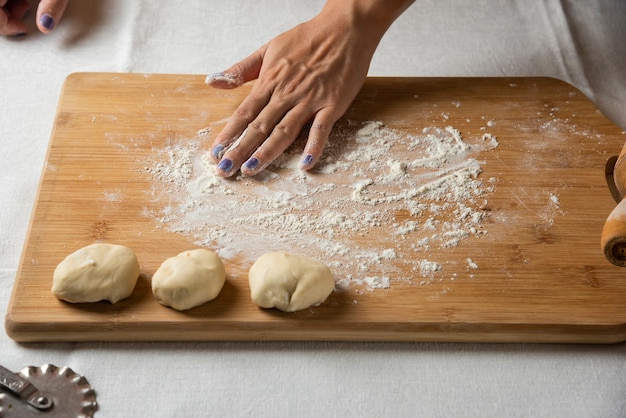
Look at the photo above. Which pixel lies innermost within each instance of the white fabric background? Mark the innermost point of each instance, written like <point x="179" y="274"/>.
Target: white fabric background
<point x="580" y="42"/>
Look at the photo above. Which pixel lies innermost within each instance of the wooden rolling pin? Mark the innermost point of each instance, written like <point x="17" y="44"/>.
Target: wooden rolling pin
<point x="613" y="239"/>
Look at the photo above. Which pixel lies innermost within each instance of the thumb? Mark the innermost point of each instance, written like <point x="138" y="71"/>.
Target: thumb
<point x="245" y="70"/>
<point x="49" y="13"/>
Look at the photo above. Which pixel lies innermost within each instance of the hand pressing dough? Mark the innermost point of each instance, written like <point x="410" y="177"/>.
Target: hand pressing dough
<point x="96" y="272"/>
<point x="289" y="282"/>
<point x="189" y="279"/>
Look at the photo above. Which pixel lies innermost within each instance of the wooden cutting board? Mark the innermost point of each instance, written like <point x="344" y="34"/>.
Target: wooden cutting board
<point x="536" y="274"/>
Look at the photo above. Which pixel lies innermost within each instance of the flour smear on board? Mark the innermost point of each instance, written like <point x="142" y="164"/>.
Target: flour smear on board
<point x="375" y="206"/>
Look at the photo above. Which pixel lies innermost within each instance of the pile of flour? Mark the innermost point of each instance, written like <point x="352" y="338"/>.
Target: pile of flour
<point x="378" y="203"/>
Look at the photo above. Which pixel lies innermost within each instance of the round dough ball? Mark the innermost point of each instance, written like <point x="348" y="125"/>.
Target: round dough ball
<point x="96" y="272"/>
<point x="289" y="282"/>
<point x="189" y="279"/>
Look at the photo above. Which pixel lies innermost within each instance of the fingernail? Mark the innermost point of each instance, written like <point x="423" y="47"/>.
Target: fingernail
<point x="217" y="150"/>
<point x="225" y="165"/>
<point x="47" y="21"/>
<point x="307" y="160"/>
<point x="251" y="164"/>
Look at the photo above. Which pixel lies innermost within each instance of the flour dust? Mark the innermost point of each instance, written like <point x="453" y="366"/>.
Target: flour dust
<point x="374" y="209"/>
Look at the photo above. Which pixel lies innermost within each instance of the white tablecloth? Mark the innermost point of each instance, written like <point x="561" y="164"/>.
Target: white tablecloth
<point x="581" y="42"/>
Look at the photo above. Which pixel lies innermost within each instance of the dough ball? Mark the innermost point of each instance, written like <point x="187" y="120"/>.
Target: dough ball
<point x="189" y="279"/>
<point x="96" y="272"/>
<point x="289" y="282"/>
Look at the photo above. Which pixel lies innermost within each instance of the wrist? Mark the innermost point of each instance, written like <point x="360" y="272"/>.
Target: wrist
<point x="374" y="16"/>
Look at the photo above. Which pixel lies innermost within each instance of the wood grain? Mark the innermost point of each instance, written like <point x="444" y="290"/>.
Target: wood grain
<point x="541" y="279"/>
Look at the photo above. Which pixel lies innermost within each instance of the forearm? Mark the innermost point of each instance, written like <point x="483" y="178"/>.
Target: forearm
<point x="374" y="15"/>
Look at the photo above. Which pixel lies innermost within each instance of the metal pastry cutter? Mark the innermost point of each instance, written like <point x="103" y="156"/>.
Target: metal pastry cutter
<point x="47" y="391"/>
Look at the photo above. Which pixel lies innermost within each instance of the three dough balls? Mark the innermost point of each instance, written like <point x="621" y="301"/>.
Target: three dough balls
<point x="284" y="281"/>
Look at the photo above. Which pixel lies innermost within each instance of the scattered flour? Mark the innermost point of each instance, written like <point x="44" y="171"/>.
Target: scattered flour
<point x="471" y="264"/>
<point x="379" y="200"/>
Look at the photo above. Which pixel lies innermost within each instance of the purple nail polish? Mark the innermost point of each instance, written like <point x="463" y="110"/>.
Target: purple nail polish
<point x="307" y="160"/>
<point x="251" y="164"/>
<point x="225" y="165"/>
<point x="216" y="152"/>
<point x="47" y="21"/>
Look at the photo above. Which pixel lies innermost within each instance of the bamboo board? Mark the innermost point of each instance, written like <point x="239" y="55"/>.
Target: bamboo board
<point x="541" y="277"/>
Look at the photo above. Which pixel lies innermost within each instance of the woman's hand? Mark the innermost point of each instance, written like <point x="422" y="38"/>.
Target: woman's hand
<point x="12" y="14"/>
<point x="309" y="74"/>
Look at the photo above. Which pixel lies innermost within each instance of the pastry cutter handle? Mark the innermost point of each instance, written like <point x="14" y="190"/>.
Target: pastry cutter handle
<point x="24" y="389"/>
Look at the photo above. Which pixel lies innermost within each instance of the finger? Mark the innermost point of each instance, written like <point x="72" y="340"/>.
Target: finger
<point x="245" y="70"/>
<point x="245" y="113"/>
<point x="4" y="23"/>
<point x="256" y="132"/>
<point x="49" y="14"/>
<point x="282" y="136"/>
<point x="318" y="138"/>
